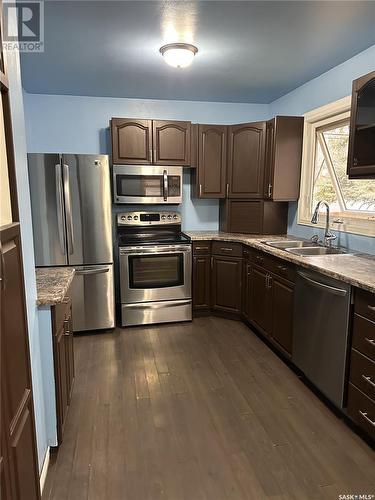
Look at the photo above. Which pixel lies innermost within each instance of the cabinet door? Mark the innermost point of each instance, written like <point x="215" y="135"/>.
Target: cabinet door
<point x="246" y="289"/>
<point x="246" y="158"/>
<point x="171" y="142"/>
<point x="131" y="141"/>
<point x="261" y="299"/>
<point x="69" y="356"/>
<point x="62" y="390"/>
<point x="282" y="314"/>
<point x="201" y="282"/>
<point x="361" y="154"/>
<point x="226" y="284"/>
<point x="18" y="432"/>
<point x="212" y="161"/>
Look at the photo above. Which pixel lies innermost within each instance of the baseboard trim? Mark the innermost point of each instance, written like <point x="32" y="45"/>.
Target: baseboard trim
<point x="43" y="474"/>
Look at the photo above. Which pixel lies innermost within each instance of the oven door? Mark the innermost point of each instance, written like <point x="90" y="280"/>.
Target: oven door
<point x="147" y="184"/>
<point x="155" y="273"/>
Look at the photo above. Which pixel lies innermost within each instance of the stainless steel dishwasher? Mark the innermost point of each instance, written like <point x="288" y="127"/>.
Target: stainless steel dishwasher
<point x="321" y="324"/>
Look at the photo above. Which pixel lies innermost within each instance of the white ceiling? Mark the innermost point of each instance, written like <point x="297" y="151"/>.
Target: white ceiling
<point x="248" y="51"/>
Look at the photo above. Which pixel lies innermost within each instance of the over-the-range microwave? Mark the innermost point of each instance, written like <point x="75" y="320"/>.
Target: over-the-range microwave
<point x="147" y="184"/>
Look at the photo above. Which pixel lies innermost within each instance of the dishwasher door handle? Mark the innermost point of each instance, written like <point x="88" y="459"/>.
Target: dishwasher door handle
<point x="328" y="288"/>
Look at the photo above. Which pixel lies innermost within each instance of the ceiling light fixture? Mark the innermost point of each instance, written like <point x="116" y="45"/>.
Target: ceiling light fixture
<point x="178" y="55"/>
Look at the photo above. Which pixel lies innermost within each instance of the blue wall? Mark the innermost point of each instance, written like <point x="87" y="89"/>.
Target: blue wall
<point x="35" y="335"/>
<point x="80" y="125"/>
<point x="329" y="87"/>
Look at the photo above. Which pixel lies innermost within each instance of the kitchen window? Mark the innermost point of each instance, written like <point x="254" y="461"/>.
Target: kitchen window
<point x="325" y="150"/>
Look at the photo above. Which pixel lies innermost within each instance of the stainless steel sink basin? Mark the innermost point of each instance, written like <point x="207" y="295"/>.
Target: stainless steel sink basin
<point x="284" y="244"/>
<point x="317" y="250"/>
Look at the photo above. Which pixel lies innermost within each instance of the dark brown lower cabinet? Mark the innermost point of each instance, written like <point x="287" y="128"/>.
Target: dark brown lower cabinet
<point x="261" y="299"/>
<point x="63" y="360"/>
<point x="201" y="282"/>
<point x="282" y="313"/>
<point x="19" y="465"/>
<point x="226" y="284"/>
<point x="246" y="288"/>
<point x="361" y="392"/>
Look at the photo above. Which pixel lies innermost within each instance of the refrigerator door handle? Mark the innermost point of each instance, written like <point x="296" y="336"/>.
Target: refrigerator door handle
<point x="93" y="271"/>
<point x="60" y="209"/>
<point x="68" y="209"/>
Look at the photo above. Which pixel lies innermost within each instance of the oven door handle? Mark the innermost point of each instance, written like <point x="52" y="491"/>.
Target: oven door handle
<point x="163" y="305"/>
<point x="155" y="250"/>
<point x="165" y="185"/>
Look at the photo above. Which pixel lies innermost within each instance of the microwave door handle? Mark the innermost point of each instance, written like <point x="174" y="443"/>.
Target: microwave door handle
<point x="165" y="185"/>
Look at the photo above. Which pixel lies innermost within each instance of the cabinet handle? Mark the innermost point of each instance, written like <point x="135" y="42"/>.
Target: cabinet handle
<point x="364" y="415"/>
<point x="370" y="341"/>
<point x="227" y="190"/>
<point x="200" y="189"/>
<point x="372" y="308"/>
<point x="212" y="262"/>
<point x="258" y="257"/>
<point x="282" y="268"/>
<point x="3" y="273"/>
<point x="154" y="158"/>
<point x="368" y="379"/>
<point x="226" y="249"/>
<point x="269" y="190"/>
<point x="201" y="248"/>
<point x="355" y="161"/>
<point x="67" y="331"/>
<point x="151" y="155"/>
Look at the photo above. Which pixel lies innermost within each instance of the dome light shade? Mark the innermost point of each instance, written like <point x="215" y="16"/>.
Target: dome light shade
<point x="178" y="55"/>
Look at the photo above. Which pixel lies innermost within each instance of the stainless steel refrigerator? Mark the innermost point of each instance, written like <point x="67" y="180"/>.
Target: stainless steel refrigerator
<point x="72" y="225"/>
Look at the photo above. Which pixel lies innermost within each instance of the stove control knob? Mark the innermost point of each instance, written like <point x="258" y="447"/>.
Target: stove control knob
<point x="123" y="217"/>
<point x="163" y="217"/>
<point x="130" y="217"/>
<point x="175" y="216"/>
<point x="169" y="216"/>
<point x="136" y="217"/>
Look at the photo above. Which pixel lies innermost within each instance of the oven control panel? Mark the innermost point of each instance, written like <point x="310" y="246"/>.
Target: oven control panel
<point x="148" y="218"/>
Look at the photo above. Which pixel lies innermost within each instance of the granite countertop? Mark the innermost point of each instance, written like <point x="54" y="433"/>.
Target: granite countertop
<point x="357" y="269"/>
<point x="52" y="284"/>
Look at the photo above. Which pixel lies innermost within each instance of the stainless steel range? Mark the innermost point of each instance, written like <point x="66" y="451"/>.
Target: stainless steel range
<point x="155" y="268"/>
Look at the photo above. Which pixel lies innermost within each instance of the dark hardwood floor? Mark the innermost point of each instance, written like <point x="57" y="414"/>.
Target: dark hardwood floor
<point x="199" y="411"/>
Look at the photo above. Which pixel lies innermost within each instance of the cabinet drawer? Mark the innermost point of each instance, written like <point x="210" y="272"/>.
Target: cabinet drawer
<point x="247" y="252"/>
<point x="226" y="248"/>
<point x="364" y="304"/>
<point x="61" y="313"/>
<point x="362" y="373"/>
<point x="283" y="269"/>
<point x="364" y="336"/>
<point x="361" y="409"/>
<point x="201" y="247"/>
<point x="262" y="259"/>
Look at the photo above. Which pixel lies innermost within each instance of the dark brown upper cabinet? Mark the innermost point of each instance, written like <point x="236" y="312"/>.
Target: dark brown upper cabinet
<point x="171" y="142"/>
<point x="209" y="178"/>
<point x="150" y="142"/>
<point x="361" y="153"/>
<point x="253" y="216"/>
<point x="131" y="141"/>
<point x="246" y="158"/>
<point x="283" y="158"/>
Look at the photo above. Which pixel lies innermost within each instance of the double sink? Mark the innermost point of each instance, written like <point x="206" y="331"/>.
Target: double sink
<point x="305" y="248"/>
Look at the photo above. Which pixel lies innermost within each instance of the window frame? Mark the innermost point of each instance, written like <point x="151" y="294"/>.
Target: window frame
<point x="316" y="119"/>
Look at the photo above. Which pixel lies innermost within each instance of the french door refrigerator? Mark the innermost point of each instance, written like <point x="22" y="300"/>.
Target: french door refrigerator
<point x="72" y="226"/>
